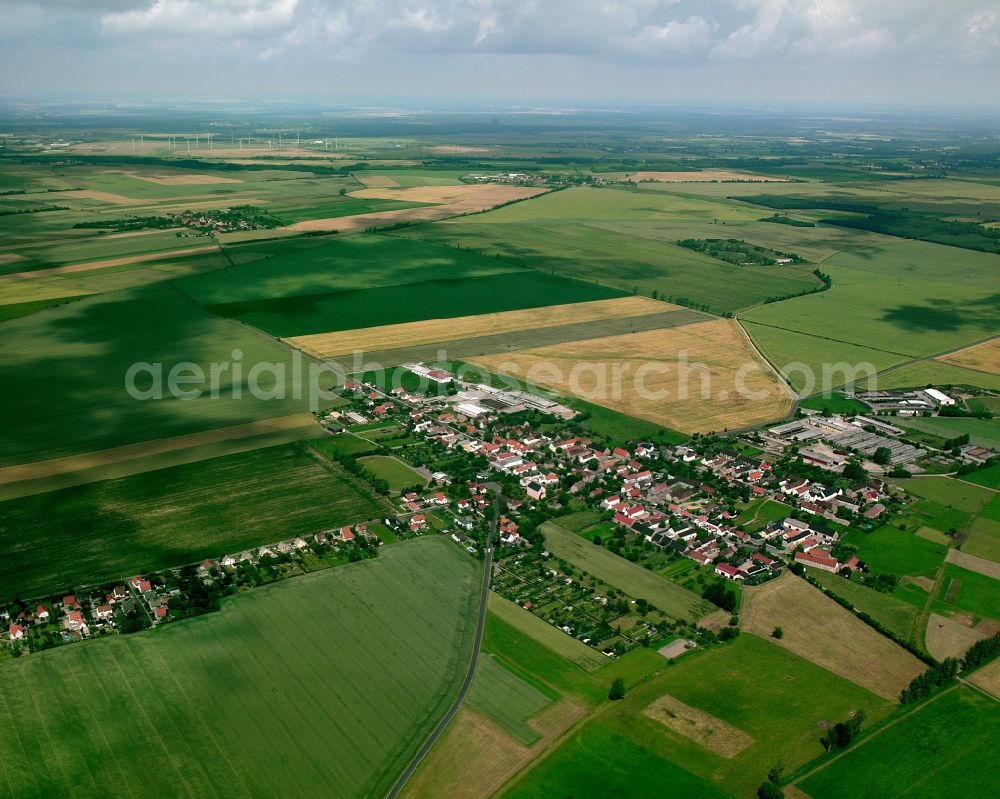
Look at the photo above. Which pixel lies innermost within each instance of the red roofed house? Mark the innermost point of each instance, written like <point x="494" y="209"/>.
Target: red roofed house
<point x="727" y="571"/>
<point x="41" y="613"/>
<point x="346" y="534"/>
<point x="160" y="613"/>
<point x="817" y="559"/>
<point x="104" y="612"/>
<point x="15" y="632"/>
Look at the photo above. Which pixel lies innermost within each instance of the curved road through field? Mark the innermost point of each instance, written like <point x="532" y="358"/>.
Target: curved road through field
<point x="470" y="674"/>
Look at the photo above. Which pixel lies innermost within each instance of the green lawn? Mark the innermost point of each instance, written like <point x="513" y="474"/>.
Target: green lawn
<point x="173" y="516"/>
<point x="941" y="750"/>
<point x="320" y="685"/>
<point x="596" y="761"/>
<point x="397" y="474"/>
<point x="637" y="582"/>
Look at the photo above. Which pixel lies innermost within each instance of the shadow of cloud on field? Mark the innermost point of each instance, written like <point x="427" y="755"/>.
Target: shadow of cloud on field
<point x="946" y="315"/>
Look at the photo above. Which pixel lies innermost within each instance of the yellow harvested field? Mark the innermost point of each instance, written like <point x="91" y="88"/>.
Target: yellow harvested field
<point x="89" y="460"/>
<point x="448" y="201"/>
<point x="182" y="180"/>
<point x="700" y="377"/>
<point x="983" y="357"/>
<point x="988" y="678"/>
<point x="459" y="148"/>
<point x="704" y="176"/>
<point x="102" y="196"/>
<point x="949" y="638"/>
<point x="703" y="728"/>
<point x="378" y="181"/>
<point x="371" y="339"/>
<point x="818" y="629"/>
<point x="130" y="259"/>
<point x="474" y="757"/>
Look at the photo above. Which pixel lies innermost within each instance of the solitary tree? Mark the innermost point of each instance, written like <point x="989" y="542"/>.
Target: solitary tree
<point x="617" y="690"/>
<point x="777" y="632"/>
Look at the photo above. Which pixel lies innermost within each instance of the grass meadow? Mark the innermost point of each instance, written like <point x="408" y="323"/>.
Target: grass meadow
<point x="320" y="685"/>
<point x="596" y="761"/>
<point x="778" y="703"/>
<point x="172" y="516"/>
<point x="395" y="472"/>
<point x="940" y="750"/>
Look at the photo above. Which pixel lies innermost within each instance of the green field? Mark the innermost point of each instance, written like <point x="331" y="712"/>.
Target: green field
<point x="948" y="492"/>
<point x="637" y="582"/>
<point x="174" y="516"/>
<point x="596" y="761"/>
<point x="969" y="592"/>
<point x="981" y="432"/>
<point x="413" y="302"/>
<point x="983" y="538"/>
<point x="502" y="696"/>
<point x="613" y="237"/>
<point x="328" y="264"/>
<point x="889" y="550"/>
<point x="69" y="365"/>
<point x="940" y="750"/>
<point x="319" y="685"/>
<point x="345" y="444"/>
<point x="834" y="403"/>
<point x="912" y="298"/>
<point x="780" y="700"/>
<point x="397" y="474"/>
<point x="988" y="476"/>
<point x="565" y="646"/>
<point x="936" y="373"/>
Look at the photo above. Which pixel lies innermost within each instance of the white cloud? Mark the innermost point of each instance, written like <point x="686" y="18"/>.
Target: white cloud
<point x="224" y="18"/>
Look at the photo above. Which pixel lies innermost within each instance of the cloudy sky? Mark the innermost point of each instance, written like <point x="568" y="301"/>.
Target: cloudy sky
<point x="902" y="52"/>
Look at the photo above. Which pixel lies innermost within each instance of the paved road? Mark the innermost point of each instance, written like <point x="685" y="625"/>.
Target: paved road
<point x="473" y="662"/>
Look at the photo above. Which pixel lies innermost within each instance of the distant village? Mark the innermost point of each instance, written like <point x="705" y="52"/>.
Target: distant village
<point x="738" y="509"/>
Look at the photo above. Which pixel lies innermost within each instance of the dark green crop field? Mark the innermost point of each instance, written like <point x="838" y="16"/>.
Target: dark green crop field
<point x="413" y="302"/>
<point x="172" y="516"/>
<point x="69" y="366"/>
<point x="324" y="685"/>
<point x="941" y="750"/>
<point x="327" y="264"/>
